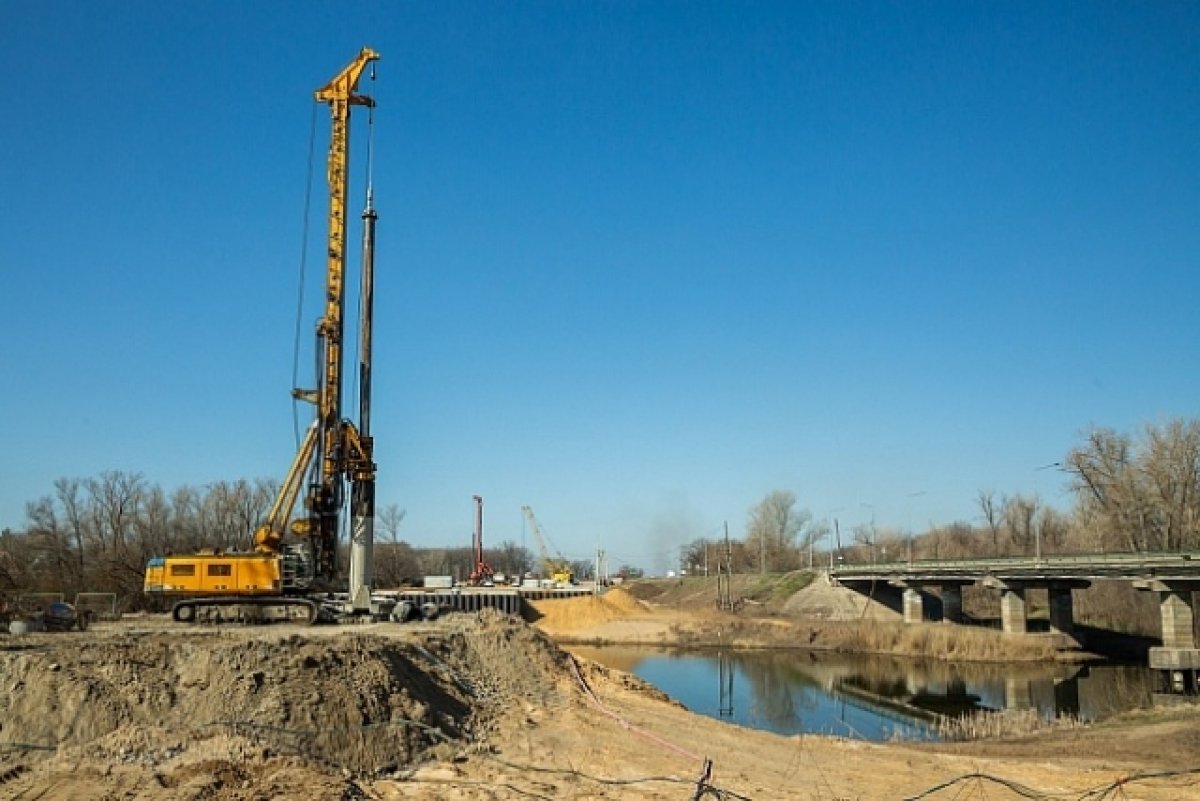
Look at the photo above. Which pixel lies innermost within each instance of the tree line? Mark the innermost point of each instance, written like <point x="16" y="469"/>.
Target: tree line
<point x="1132" y="493"/>
<point x="97" y="534"/>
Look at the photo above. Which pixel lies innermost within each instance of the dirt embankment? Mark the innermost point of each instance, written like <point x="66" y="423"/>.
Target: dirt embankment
<point x="205" y="714"/>
<point x="477" y="706"/>
<point x="817" y="616"/>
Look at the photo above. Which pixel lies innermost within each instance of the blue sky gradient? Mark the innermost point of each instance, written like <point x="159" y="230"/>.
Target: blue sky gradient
<point x="639" y="264"/>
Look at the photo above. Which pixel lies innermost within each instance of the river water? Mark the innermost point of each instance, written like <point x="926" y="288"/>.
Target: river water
<point x="870" y="697"/>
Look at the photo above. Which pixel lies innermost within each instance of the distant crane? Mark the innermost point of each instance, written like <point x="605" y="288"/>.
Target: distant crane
<point x="557" y="570"/>
<point x="482" y="572"/>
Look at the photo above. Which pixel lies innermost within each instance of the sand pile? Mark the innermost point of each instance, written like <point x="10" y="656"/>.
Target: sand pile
<point x="294" y="696"/>
<point x="587" y="611"/>
<point x="356" y="701"/>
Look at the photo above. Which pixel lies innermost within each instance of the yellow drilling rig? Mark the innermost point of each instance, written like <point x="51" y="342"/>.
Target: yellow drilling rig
<point x="292" y="569"/>
<point x="557" y="569"/>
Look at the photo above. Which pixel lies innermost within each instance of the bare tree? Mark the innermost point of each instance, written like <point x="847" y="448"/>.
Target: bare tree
<point x="513" y="559"/>
<point x="1105" y="483"/>
<point x="1141" y="495"/>
<point x="960" y="540"/>
<point x="114" y="502"/>
<point x="187" y="520"/>
<point x="773" y="527"/>
<point x="1170" y="461"/>
<point x="395" y="560"/>
<point x="865" y="535"/>
<point x="1020" y="520"/>
<point x="153" y="524"/>
<point x="388" y="521"/>
<point x="10" y="572"/>
<point x="66" y="492"/>
<point x="48" y="543"/>
<point x="992" y="517"/>
<point x="1054" y="527"/>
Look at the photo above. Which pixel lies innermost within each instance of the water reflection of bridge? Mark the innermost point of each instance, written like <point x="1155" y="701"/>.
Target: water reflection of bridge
<point x="850" y="695"/>
<point x="1173" y="577"/>
<point x="924" y="691"/>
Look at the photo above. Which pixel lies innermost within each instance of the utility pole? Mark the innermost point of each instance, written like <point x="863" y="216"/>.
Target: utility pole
<point x="725" y="577"/>
<point x="762" y="552"/>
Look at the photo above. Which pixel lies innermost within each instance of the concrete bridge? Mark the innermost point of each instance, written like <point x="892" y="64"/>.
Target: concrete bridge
<point x="1172" y="576"/>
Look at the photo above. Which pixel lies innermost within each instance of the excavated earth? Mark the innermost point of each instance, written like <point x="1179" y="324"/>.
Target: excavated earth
<point x="478" y="706"/>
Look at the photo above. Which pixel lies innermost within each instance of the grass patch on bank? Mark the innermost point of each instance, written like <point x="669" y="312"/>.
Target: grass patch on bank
<point x="791" y="583"/>
<point x="767" y="592"/>
<point x="775" y="588"/>
<point x="947" y="642"/>
<point x="930" y="641"/>
<point x="1002" y="724"/>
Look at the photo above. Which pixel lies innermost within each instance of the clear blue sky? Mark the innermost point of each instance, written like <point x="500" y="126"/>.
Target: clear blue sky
<point x="639" y="264"/>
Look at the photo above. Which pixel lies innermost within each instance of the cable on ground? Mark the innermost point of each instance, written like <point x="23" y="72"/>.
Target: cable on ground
<point x="701" y="789"/>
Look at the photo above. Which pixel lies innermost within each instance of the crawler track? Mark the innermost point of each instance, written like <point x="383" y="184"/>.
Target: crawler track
<point x="245" y="610"/>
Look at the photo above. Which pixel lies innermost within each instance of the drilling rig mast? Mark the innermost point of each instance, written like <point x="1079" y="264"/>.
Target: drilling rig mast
<point x="482" y="572"/>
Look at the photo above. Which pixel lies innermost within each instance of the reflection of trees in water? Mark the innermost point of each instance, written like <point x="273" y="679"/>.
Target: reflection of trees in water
<point x="784" y="686"/>
<point x="791" y="691"/>
<point x="1102" y="693"/>
<point x="772" y="680"/>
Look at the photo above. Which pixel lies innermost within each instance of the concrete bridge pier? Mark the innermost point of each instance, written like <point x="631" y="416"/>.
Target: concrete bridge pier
<point x="946" y="607"/>
<point x="1062" y="607"/>
<point x="1017" y="693"/>
<point x="1178" y="660"/>
<point x="1062" y="610"/>
<point x="1178" y="619"/>
<point x="1014" y="617"/>
<point x="914" y="606"/>
<point x="1014" y="607"/>
<point x="952" y="603"/>
<point x="1174" y="576"/>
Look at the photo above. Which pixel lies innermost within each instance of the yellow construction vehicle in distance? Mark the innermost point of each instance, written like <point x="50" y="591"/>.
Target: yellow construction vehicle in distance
<point x="557" y="570"/>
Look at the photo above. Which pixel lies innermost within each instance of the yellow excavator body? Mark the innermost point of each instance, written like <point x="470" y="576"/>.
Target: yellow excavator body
<point x="214" y="574"/>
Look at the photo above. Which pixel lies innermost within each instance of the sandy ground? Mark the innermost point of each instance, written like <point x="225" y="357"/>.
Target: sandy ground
<point x="479" y="706"/>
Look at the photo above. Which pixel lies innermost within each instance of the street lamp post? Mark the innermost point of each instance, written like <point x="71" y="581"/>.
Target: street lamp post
<point x="871" y="539"/>
<point x="837" y="535"/>
<point x="1037" y="530"/>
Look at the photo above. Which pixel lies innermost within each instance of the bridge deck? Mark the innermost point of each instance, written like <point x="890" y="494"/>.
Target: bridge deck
<point x="1161" y="566"/>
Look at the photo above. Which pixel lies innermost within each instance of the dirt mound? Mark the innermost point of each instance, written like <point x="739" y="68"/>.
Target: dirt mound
<point x="587" y="611"/>
<point x="361" y="702"/>
<point x="295" y="696"/>
<point x="499" y="658"/>
<point x="825" y="601"/>
<point x="621" y="600"/>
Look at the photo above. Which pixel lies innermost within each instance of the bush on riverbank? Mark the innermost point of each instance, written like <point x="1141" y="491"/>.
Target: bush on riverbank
<point x="994" y="725"/>
<point x="947" y="642"/>
<point x="930" y="641"/>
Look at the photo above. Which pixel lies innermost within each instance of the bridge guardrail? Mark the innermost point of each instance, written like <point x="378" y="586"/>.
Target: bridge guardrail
<point x="1147" y="560"/>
